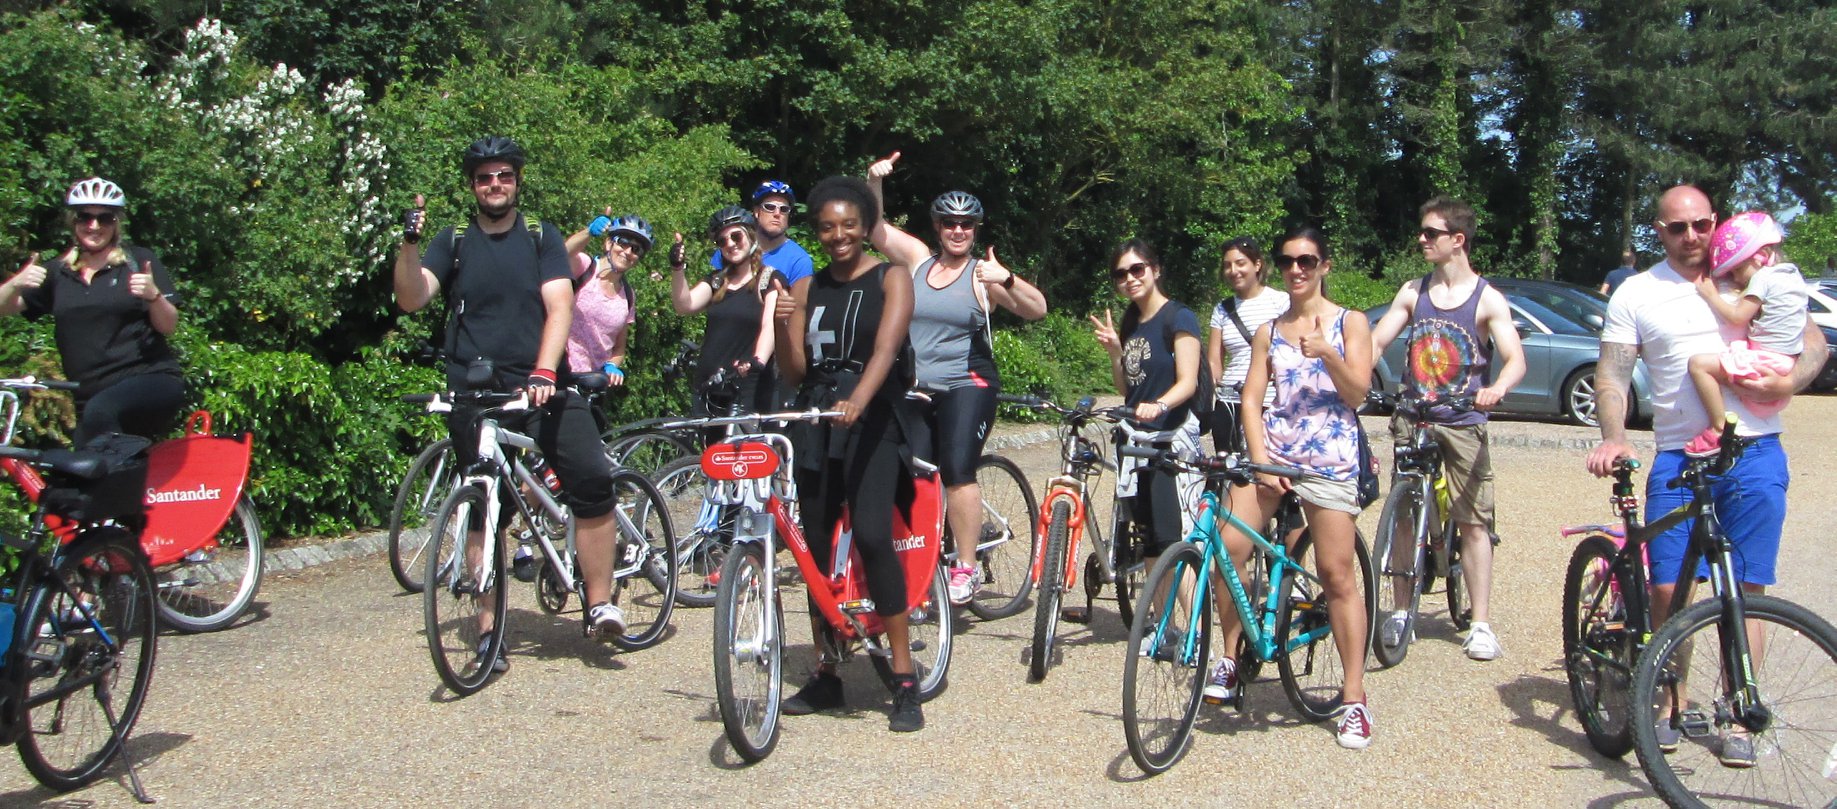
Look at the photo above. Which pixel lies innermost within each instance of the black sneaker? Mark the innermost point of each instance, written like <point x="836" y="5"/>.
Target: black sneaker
<point x="822" y="693"/>
<point x="907" y="716"/>
<point x="498" y="664"/>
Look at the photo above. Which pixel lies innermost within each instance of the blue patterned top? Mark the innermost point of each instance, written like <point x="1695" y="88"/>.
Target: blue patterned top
<point x="1309" y="426"/>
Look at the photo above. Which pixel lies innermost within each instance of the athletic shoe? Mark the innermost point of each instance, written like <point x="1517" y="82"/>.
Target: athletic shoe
<point x="1223" y="685"/>
<point x="1168" y="652"/>
<point x="1355" y="726"/>
<point x="1482" y="644"/>
<point x="498" y="664"/>
<point x="822" y="693"/>
<point x="963" y="585"/>
<point x="1391" y="632"/>
<point x="1737" y="752"/>
<point x="1667" y="735"/>
<point x="606" y="619"/>
<point x="1706" y="444"/>
<point x="908" y="715"/>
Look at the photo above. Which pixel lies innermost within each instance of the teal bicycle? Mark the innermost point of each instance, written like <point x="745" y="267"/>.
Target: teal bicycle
<point x="1281" y="606"/>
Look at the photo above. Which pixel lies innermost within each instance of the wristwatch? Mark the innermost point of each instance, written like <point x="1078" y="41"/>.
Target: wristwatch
<point x="1008" y="283"/>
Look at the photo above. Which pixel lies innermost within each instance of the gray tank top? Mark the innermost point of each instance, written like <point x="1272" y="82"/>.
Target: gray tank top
<point x="950" y="337"/>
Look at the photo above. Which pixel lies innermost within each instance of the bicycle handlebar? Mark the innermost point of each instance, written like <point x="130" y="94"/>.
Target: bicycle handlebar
<point x="34" y="383"/>
<point x="1728" y="451"/>
<point x="1414" y="403"/>
<point x="1231" y="465"/>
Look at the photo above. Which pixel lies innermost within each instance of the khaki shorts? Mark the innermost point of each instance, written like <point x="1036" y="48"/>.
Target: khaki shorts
<point x="1467" y="461"/>
<point x="1336" y="495"/>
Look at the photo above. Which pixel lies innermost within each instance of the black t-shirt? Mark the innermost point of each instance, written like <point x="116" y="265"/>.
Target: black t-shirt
<point x="494" y="295"/>
<point x="1148" y="358"/>
<point x="733" y="328"/>
<point x="103" y="333"/>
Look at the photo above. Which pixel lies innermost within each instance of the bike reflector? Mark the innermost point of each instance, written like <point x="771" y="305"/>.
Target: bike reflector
<point x="740" y="460"/>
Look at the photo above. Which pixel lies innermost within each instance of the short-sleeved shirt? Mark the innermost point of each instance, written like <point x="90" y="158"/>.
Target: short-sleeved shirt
<point x="494" y="295"/>
<point x="733" y="328"/>
<point x="1780" y="325"/>
<point x="600" y="318"/>
<point x="103" y="332"/>
<point x="1661" y="313"/>
<point x="1618" y="276"/>
<point x="1268" y="305"/>
<point x="1148" y="358"/>
<point x="789" y="259"/>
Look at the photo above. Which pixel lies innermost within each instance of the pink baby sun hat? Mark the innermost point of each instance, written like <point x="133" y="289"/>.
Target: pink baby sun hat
<point x="1739" y="238"/>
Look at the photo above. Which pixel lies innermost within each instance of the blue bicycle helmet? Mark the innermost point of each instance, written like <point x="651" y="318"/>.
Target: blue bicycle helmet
<point x="633" y="225"/>
<point x="770" y="187"/>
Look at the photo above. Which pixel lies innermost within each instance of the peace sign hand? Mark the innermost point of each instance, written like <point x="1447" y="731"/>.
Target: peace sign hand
<point x="1106" y="334"/>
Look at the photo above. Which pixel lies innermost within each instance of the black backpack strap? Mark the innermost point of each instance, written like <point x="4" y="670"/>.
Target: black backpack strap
<point x="1230" y="305"/>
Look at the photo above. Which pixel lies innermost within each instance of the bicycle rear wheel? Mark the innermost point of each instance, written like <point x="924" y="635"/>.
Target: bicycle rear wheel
<point x="465" y="585"/>
<point x="748" y="653"/>
<point x="1308" y="655"/>
<point x="1010" y="528"/>
<point x="1052" y="590"/>
<point x="417" y="499"/>
<point x="1399" y="559"/>
<point x="1161" y="688"/>
<point x="644" y="564"/>
<point x="1598" y="648"/>
<point x="704" y="531"/>
<point x="648" y="451"/>
<point x="210" y="588"/>
<point x="930" y="626"/>
<point x="1682" y="681"/>
<point x="83" y="687"/>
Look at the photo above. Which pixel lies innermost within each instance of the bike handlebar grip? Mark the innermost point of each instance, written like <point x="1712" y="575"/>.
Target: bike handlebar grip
<point x="1016" y="399"/>
<point x="61" y="384"/>
<point x="1290" y="472"/>
<point x="418" y="398"/>
<point x="1145" y="453"/>
<point x="7" y="451"/>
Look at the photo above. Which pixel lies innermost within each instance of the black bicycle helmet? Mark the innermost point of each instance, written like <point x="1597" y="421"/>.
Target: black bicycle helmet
<point x="956" y="204"/>
<point x="728" y="216"/>
<point x="489" y="148"/>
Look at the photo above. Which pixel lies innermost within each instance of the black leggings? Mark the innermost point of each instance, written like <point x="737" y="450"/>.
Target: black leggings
<point x="870" y="481"/>
<point x="1227" y="428"/>
<point x="1156" y="509"/>
<point x="960" y="422"/>
<point x="144" y="404"/>
<point x="566" y="433"/>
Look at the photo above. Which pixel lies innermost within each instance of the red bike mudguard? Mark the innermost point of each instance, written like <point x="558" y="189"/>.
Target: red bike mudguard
<point x="193" y="484"/>
<point x="919" y="539"/>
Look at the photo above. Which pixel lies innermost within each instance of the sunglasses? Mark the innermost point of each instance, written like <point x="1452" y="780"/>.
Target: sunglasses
<point x="1137" y="270"/>
<point x="1308" y="261"/>
<point x="104" y="219"/>
<point x="1677" y="228"/>
<point x="505" y="177"/>
<point x="1431" y="234"/>
<point x="636" y="247"/>
<point x="775" y="207"/>
<point x="956" y="224"/>
<point x="737" y="237"/>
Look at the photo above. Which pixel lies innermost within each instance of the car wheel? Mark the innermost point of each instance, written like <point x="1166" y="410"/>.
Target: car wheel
<point x="1579" y="397"/>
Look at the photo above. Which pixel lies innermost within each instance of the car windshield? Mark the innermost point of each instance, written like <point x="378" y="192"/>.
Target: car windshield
<point x="1580" y="312"/>
<point x="1554" y="319"/>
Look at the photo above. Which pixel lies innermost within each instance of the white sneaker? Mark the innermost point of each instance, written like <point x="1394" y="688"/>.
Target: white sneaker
<point x="1354" y="726"/>
<point x="963" y="585"/>
<point x="1391" y="632"/>
<point x="1482" y="644"/>
<point x="607" y="620"/>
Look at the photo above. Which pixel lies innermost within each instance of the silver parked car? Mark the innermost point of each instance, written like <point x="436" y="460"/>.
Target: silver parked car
<point x="1560" y="325"/>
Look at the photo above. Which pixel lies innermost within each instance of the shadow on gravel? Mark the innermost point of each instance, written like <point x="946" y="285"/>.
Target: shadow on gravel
<point x="147" y="749"/>
<point x="1539" y="703"/>
<point x="257" y="612"/>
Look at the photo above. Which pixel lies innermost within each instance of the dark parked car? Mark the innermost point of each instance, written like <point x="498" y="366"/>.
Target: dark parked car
<point x="1560" y="325"/>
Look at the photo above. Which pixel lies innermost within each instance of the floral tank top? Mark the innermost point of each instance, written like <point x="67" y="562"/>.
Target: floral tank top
<point x="1309" y="426"/>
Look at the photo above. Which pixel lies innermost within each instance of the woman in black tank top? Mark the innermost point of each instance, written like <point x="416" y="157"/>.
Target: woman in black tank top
<point x="841" y="345"/>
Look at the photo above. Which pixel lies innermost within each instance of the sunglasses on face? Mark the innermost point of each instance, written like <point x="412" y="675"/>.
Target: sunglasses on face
<point x="1137" y="270"/>
<point x="104" y="219"/>
<point x="956" y="224"/>
<point x="736" y="237"/>
<point x="1431" y="234"/>
<point x="1677" y="228"/>
<point x="636" y="247"/>
<point x="505" y="177"/>
<point x="1308" y="261"/>
<point x="774" y="207"/>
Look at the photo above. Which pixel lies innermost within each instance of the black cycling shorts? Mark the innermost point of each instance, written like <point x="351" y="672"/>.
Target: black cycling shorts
<point x="961" y="419"/>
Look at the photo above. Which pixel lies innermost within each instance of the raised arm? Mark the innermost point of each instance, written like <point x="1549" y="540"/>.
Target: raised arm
<point x="790" y="338"/>
<point x="13" y="292"/>
<point x="577" y="242"/>
<point x="898" y="245"/>
<point x="1010" y="291"/>
<point x="415" y="285"/>
<point x="1112" y="343"/>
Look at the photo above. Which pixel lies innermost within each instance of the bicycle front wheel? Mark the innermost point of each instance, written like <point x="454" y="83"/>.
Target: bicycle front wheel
<point x="210" y="588"/>
<point x="1164" y="670"/>
<point x="644" y="563"/>
<point x="1308" y="656"/>
<point x="704" y="531"/>
<point x="648" y="451"/>
<point x="1598" y="646"/>
<point x="748" y="653"/>
<point x="463" y="604"/>
<point x="82" y="687"/>
<point x="417" y="499"/>
<point x="1783" y="755"/>
<point x="1398" y="556"/>
<point x="1052" y="589"/>
<point x="1009" y="532"/>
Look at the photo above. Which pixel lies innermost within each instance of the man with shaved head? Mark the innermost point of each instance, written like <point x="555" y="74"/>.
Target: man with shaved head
<point x="1659" y="316"/>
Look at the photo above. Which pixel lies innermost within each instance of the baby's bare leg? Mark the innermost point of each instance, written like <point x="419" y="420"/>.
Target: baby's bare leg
<point x="1707" y="376"/>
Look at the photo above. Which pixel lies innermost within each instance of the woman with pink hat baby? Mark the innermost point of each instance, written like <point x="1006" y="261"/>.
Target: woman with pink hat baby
<point x="1771" y="306"/>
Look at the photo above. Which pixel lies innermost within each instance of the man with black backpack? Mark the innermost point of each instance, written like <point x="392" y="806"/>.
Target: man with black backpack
<point x="510" y="300"/>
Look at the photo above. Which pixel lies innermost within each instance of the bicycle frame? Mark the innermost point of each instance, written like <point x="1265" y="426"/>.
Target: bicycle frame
<point x="1261" y="635"/>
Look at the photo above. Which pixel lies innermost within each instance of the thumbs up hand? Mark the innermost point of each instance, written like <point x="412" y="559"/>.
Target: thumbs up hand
<point x="140" y="283"/>
<point x="1315" y="344"/>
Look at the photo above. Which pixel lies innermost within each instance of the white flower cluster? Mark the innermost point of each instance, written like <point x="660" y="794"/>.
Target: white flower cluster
<point x="366" y="166"/>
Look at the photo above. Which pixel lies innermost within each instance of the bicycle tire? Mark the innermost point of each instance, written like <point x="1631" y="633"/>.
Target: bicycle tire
<point x="209" y="589"/>
<point x="1256" y="588"/>
<point x="417" y="499"/>
<point x="1160" y="705"/>
<point x="1460" y="602"/>
<point x="1599" y="649"/>
<point x="1312" y="670"/>
<point x="649" y="451"/>
<point x="748" y="654"/>
<point x="1010" y="517"/>
<point x="644" y="560"/>
<point x="700" y="548"/>
<point x="1398" y="589"/>
<point x="455" y="596"/>
<point x="1052" y="591"/>
<point x="1797" y="679"/>
<point x="69" y="695"/>
<point x="931" y="629"/>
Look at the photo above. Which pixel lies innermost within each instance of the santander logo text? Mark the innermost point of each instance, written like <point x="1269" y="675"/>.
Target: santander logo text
<point x="201" y="492"/>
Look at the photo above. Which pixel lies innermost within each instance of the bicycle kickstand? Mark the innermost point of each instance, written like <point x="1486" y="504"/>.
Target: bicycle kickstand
<point x="127" y="757"/>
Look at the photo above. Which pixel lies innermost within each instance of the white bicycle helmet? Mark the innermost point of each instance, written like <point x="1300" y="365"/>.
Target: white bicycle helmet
<point x="95" y="191"/>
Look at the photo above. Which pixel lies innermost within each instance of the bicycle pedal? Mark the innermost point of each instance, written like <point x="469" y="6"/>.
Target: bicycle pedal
<point x="859" y="606"/>
<point x="1695" y="724"/>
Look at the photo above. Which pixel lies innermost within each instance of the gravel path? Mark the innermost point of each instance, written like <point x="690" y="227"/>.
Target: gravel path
<point x="325" y="698"/>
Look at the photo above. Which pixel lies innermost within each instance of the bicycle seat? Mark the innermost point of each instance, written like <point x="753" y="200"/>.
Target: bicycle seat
<point x="99" y="458"/>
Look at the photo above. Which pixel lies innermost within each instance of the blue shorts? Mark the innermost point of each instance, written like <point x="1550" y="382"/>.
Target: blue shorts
<point x="1750" y="503"/>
